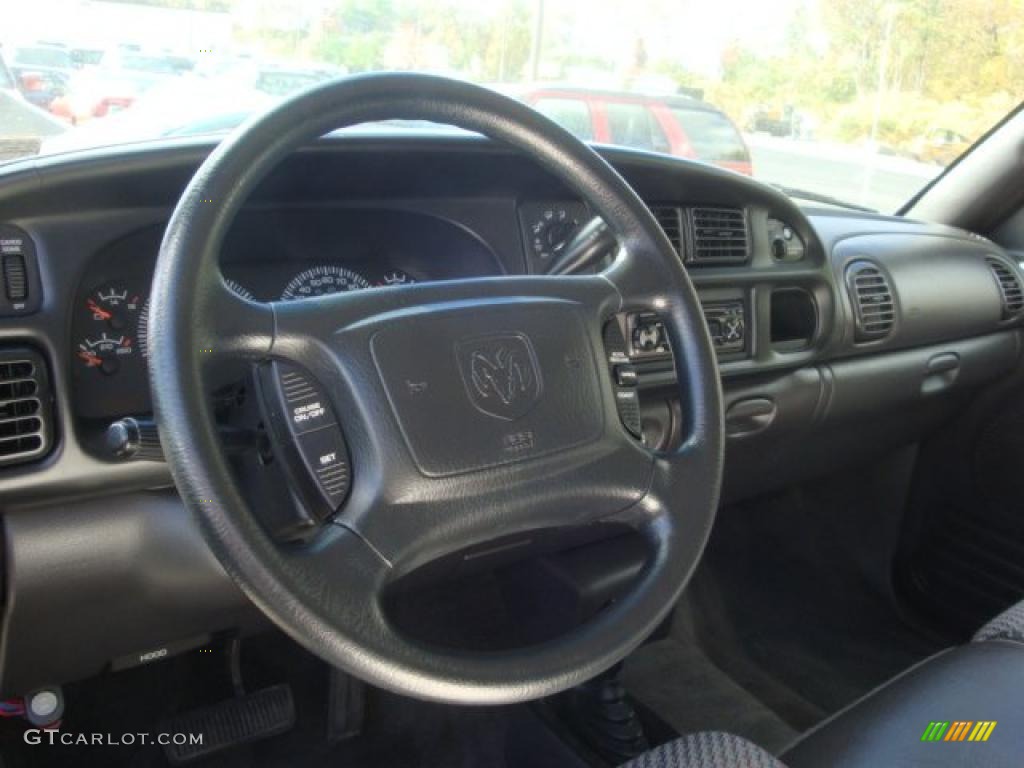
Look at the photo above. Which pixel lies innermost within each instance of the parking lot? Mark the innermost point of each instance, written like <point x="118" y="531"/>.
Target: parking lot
<point x="853" y="174"/>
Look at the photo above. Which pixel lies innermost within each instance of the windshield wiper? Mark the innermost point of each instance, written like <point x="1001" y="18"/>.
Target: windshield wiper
<point x="817" y="197"/>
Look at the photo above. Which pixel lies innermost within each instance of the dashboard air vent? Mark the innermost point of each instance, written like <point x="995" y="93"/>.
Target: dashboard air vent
<point x="1009" y="286"/>
<point x="25" y="428"/>
<point x="670" y="218"/>
<point x="719" y="235"/>
<point x="872" y="300"/>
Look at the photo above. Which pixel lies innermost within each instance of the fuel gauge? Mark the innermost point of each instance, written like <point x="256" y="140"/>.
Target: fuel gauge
<point x="114" y="305"/>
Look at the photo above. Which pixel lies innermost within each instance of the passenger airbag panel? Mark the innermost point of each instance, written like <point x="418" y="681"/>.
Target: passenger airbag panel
<point x="944" y="289"/>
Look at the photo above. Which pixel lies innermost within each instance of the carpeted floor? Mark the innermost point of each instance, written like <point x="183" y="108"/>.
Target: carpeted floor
<point x="683" y="686"/>
<point x="791" y="615"/>
<point x="796" y="589"/>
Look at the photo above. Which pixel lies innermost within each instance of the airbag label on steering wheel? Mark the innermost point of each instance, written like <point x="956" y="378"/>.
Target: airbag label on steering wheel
<point x="481" y="387"/>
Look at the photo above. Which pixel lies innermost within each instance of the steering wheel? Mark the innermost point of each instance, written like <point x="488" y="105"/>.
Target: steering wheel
<point x="474" y="410"/>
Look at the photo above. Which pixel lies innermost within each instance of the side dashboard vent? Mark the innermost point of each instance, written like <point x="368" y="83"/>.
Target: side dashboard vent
<point x="719" y="236"/>
<point x="25" y="407"/>
<point x="1009" y="286"/>
<point x="670" y="217"/>
<point x="872" y="299"/>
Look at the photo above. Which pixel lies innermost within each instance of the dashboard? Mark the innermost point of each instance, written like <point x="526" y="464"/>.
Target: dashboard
<point x="790" y="294"/>
<point x="839" y="335"/>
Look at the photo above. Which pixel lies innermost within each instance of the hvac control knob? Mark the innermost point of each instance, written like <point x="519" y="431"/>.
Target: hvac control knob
<point x="134" y="440"/>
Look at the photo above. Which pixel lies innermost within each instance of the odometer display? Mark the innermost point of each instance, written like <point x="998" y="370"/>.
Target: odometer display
<point x="320" y="281"/>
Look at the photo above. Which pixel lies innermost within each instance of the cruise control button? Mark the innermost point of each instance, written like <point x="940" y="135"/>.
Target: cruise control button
<point x="325" y="455"/>
<point x="626" y="375"/>
<point x="304" y="403"/>
<point x="628" y="403"/>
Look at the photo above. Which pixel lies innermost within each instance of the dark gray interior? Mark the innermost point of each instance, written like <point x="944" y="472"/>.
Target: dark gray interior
<point x="869" y="370"/>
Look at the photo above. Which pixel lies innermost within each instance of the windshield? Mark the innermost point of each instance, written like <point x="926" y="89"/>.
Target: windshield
<point x="43" y="56"/>
<point x="861" y="101"/>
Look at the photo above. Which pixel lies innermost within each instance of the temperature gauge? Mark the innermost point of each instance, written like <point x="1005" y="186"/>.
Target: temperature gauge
<point x="105" y="353"/>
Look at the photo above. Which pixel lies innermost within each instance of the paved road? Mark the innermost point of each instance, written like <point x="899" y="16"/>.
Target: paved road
<point x="848" y="173"/>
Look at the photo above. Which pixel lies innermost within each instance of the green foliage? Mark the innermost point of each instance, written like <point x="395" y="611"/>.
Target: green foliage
<point x="922" y="64"/>
<point x="361" y="35"/>
<point x="887" y="70"/>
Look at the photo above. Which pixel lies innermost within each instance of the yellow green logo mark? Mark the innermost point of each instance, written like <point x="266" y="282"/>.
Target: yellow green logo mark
<point x="958" y="730"/>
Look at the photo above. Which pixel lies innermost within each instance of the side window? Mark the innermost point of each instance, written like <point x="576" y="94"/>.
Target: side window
<point x="571" y="114"/>
<point x="712" y="135"/>
<point x="634" y="125"/>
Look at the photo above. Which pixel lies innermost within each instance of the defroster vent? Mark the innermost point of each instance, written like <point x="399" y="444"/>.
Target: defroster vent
<point x="1009" y="286"/>
<point x="25" y="406"/>
<point x="873" y="304"/>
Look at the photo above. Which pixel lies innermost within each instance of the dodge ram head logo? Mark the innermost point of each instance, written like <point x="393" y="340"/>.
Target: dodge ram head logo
<point x="501" y="374"/>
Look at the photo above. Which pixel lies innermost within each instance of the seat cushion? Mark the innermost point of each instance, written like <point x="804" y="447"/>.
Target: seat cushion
<point x="708" y="749"/>
<point x="1008" y="625"/>
<point x="978" y="682"/>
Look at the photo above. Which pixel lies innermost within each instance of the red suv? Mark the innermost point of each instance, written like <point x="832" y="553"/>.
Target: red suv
<point x="674" y="125"/>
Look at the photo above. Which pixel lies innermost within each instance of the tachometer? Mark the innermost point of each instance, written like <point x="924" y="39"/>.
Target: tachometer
<point x="322" y="280"/>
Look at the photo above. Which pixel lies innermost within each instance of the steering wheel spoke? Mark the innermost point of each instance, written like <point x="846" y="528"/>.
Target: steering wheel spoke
<point x="229" y="326"/>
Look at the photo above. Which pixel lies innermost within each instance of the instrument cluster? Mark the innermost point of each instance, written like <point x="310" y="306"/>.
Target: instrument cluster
<point x="276" y="256"/>
<point x="119" y="315"/>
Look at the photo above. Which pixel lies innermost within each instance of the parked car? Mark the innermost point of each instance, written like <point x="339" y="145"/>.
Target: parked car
<point x="783" y="122"/>
<point x="42" y="71"/>
<point x="114" y="84"/>
<point x="22" y="125"/>
<point x="192" y="105"/>
<point x="940" y="146"/>
<point x="86" y="57"/>
<point x="676" y="125"/>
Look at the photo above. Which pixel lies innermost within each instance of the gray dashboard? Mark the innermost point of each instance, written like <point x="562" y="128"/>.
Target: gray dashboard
<point x="839" y="335"/>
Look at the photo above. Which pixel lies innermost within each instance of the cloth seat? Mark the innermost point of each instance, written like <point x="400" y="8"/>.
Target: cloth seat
<point x="958" y="689"/>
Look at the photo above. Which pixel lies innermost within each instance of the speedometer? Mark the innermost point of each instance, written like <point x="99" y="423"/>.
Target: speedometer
<point x="320" y="281"/>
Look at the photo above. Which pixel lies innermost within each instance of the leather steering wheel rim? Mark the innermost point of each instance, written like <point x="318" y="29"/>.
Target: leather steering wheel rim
<point x="325" y="593"/>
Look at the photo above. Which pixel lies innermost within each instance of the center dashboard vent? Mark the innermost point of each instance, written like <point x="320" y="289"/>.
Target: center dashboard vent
<point x="719" y="236"/>
<point x="1009" y="286"/>
<point x="670" y="217"/>
<point x="872" y="297"/>
<point x="25" y="413"/>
